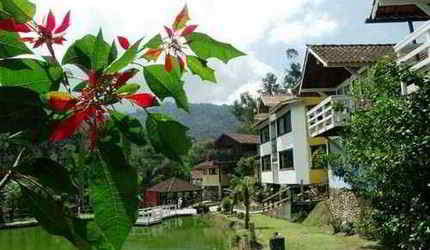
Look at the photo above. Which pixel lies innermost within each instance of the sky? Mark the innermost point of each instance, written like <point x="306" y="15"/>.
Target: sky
<point x="264" y="30"/>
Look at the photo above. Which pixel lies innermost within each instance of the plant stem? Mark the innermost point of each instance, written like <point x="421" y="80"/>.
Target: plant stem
<point x="5" y="179"/>
<point x="65" y="80"/>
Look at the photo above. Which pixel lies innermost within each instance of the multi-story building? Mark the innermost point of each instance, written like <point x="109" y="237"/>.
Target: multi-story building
<point x="285" y="149"/>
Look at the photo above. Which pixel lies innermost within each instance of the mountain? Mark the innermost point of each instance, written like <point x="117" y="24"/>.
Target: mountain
<point x="204" y="120"/>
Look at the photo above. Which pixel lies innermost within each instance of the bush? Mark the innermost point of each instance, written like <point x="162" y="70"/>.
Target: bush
<point x="227" y="204"/>
<point x="387" y="145"/>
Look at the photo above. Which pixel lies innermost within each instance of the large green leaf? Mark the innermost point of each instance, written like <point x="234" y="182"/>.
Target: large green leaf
<point x="11" y="46"/>
<point x="113" y="53"/>
<point x="21" y="109"/>
<point x="125" y="59"/>
<point x="206" y="47"/>
<point x="154" y="43"/>
<point x="166" y="84"/>
<point x="49" y="174"/>
<point x="83" y="53"/>
<point x="30" y="73"/>
<point x="101" y="53"/>
<point x="57" y="219"/>
<point x="199" y="67"/>
<point x="129" y="127"/>
<point x="168" y="136"/>
<point x="113" y="192"/>
<point x="20" y="10"/>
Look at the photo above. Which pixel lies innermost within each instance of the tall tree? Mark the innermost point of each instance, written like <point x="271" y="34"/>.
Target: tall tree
<point x="270" y="86"/>
<point x="244" y="110"/>
<point x="293" y="71"/>
<point x="387" y="150"/>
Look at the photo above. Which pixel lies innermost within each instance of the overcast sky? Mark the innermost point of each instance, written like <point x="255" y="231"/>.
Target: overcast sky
<point x="262" y="29"/>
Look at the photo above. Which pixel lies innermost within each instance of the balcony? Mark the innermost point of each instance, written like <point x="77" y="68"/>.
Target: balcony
<point x="329" y="115"/>
<point x="414" y="52"/>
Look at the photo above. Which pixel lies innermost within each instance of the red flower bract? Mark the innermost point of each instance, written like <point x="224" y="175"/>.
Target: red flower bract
<point x="125" y="44"/>
<point x="144" y="100"/>
<point x="46" y="33"/>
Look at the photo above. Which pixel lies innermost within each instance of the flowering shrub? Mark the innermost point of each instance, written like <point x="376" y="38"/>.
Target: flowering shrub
<point x="41" y="102"/>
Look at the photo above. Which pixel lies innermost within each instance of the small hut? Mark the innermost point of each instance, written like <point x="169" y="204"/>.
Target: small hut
<point x="169" y="191"/>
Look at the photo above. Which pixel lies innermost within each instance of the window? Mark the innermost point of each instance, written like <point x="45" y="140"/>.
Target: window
<point x="264" y="135"/>
<point x="212" y="171"/>
<point x="284" y="124"/>
<point x="286" y="159"/>
<point x="265" y="163"/>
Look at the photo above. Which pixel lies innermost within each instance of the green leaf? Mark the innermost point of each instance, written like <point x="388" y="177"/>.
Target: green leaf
<point x="113" y="53"/>
<point x="206" y="47"/>
<point x="113" y="192"/>
<point x="168" y="136"/>
<point x="48" y="211"/>
<point x="21" y="109"/>
<point x="101" y="53"/>
<point x="30" y="73"/>
<point x="55" y="218"/>
<point x="129" y="127"/>
<point x="49" y="174"/>
<point x="11" y="46"/>
<point x="80" y="86"/>
<point x="199" y="67"/>
<point x="124" y="60"/>
<point x="164" y="84"/>
<point x="154" y="43"/>
<point x="20" y="10"/>
<point x="82" y="53"/>
<point x="128" y="89"/>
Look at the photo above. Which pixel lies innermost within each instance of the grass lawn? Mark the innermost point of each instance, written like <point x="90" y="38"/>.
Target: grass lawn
<point x="301" y="237"/>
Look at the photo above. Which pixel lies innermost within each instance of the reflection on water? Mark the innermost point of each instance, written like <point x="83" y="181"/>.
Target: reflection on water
<point x="186" y="233"/>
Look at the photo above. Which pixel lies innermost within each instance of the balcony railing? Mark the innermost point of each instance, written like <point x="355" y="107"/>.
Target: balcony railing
<point x="332" y="112"/>
<point x="414" y="52"/>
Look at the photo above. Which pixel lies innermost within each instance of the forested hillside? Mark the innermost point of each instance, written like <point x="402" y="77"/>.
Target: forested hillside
<point x="204" y="120"/>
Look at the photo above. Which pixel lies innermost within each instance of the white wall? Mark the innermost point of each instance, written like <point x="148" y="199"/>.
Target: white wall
<point x="265" y="149"/>
<point x="287" y="177"/>
<point x="267" y="177"/>
<point x="301" y="146"/>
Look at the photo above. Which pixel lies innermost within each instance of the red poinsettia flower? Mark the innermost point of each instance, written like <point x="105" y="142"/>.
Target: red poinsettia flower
<point x="48" y="32"/>
<point x="174" y="47"/>
<point x="91" y="108"/>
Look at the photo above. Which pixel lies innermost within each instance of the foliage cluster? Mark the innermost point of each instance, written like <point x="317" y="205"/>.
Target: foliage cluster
<point x="386" y="154"/>
<point x="43" y="103"/>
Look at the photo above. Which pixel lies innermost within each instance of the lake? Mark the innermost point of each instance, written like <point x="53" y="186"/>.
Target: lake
<point x="185" y="233"/>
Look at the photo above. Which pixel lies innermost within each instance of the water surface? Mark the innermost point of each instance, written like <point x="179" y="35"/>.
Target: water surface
<point x="186" y="233"/>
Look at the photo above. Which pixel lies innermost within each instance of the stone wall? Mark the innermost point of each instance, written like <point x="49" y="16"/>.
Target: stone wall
<point x="344" y="205"/>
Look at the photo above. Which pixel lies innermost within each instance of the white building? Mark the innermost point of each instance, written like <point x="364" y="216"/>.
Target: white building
<point x="285" y="148"/>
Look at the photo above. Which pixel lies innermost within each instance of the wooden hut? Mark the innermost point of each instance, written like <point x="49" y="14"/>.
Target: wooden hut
<point x="169" y="191"/>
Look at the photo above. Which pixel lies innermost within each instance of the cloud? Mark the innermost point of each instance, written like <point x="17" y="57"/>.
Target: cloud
<point x="242" y="23"/>
<point x="311" y="26"/>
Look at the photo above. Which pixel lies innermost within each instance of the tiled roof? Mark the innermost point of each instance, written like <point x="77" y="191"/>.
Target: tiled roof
<point x="173" y="185"/>
<point x="243" y="138"/>
<point x="206" y="165"/>
<point x="271" y="101"/>
<point x="395" y="12"/>
<point x="350" y="54"/>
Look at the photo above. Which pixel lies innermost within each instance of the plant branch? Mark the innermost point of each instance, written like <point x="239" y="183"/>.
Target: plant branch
<point x="65" y="79"/>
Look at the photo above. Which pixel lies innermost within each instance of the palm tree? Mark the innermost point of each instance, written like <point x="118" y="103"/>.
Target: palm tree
<point x="243" y="189"/>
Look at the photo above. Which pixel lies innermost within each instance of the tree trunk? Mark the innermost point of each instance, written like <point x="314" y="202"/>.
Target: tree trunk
<point x="247" y="201"/>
